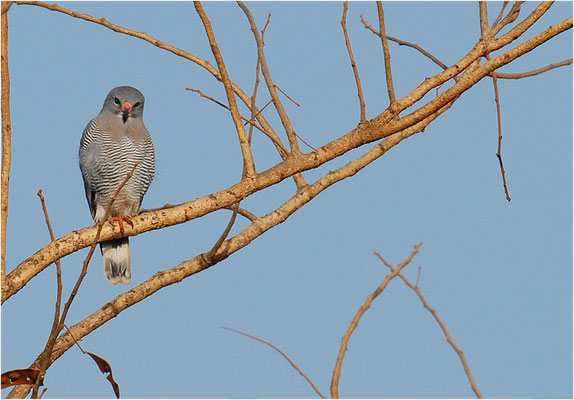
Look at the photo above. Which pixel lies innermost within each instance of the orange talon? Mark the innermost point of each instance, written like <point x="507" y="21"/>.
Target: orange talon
<point x="120" y="221"/>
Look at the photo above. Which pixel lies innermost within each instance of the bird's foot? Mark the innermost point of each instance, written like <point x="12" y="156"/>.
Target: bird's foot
<point x="120" y="221"/>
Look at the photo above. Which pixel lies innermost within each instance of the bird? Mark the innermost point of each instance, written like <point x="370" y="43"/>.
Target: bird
<point x="113" y="143"/>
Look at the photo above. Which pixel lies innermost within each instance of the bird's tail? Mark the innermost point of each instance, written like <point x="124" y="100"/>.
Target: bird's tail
<point x="116" y="255"/>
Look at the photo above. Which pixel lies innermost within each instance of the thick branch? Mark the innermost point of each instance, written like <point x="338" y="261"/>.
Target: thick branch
<point x="357" y="318"/>
<point x="375" y="129"/>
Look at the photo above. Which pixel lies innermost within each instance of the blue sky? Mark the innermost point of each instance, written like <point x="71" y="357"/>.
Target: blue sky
<point x="498" y="273"/>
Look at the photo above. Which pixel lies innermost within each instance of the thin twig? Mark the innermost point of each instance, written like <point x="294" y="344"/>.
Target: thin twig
<point x="45" y="356"/>
<point x="386" y="53"/>
<point x="404" y="43"/>
<point x="486" y="34"/>
<point x="419" y="272"/>
<point x="251" y="121"/>
<point x="538" y="71"/>
<point x="499" y="121"/>
<point x="256" y="84"/>
<point x="209" y="255"/>
<point x="75" y="341"/>
<point x="6" y="138"/>
<point x="286" y="95"/>
<point x="353" y="325"/>
<point x="449" y="338"/>
<point x="353" y="63"/>
<point x="277" y="349"/>
<point x="269" y="82"/>
<point x="248" y="162"/>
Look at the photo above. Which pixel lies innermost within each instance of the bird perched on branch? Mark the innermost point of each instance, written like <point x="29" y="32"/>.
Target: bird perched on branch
<point x="112" y="144"/>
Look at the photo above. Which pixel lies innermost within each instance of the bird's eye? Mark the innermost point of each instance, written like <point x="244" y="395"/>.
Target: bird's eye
<point x="137" y="105"/>
<point x="117" y="101"/>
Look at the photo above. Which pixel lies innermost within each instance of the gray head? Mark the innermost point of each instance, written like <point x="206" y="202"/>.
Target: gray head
<point x="125" y="102"/>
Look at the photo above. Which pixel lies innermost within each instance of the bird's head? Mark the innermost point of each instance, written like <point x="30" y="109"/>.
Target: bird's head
<point x="126" y="102"/>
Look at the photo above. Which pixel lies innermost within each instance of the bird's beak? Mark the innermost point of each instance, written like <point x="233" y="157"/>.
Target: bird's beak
<point x="126" y="109"/>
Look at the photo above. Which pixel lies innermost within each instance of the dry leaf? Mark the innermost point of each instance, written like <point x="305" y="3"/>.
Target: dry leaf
<point x="19" y="377"/>
<point x="105" y="367"/>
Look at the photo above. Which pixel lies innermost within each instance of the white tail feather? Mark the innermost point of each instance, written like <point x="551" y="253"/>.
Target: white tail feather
<point x="116" y="257"/>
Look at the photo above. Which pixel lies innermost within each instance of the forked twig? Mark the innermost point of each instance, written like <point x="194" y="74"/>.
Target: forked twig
<point x="449" y="338"/>
<point x="353" y="63"/>
<point x="277" y="349"/>
<point x="356" y="319"/>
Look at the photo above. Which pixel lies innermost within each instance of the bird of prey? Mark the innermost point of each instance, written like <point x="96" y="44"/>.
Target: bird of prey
<point x="112" y="143"/>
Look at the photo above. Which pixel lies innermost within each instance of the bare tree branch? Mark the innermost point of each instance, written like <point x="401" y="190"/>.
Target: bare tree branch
<point x="499" y="122"/>
<point x="45" y="356"/>
<point x="485" y="33"/>
<point x="357" y="318"/>
<point x="277" y="349"/>
<point x="176" y="274"/>
<point x="375" y="129"/>
<point x="500" y="14"/>
<point x="270" y="85"/>
<point x="499" y="75"/>
<point x="449" y="338"/>
<point x="483" y="13"/>
<point x="353" y="62"/>
<point x="512" y="16"/>
<point x="6" y="136"/>
<point x="257" y="70"/>
<point x="404" y="43"/>
<point x="248" y="163"/>
<point x="535" y="72"/>
<point x="386" y="53"/>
